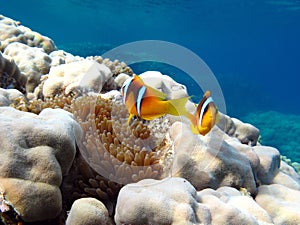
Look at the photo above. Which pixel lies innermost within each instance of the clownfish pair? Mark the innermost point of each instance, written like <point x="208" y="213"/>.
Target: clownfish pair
<point x="148" y="103"/>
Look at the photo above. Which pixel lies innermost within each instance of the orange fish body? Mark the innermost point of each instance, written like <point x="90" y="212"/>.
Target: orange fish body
<point x="206" y="115"/>
<point x="148" y="103"/>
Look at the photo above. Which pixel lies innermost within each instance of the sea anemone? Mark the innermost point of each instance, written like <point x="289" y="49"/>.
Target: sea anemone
<point x="120" y="152"/>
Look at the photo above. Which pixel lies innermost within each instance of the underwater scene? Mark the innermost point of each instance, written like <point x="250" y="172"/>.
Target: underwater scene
<point x="252" y="47"/>
<point x="149" y="112"/>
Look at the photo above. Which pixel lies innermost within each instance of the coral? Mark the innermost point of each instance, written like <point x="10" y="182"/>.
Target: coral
<point x="31" y="61"/>
<point x="35" y="153"/>
<point x="245" y="132"/>
<point x="12" y="31"/>
<point x="228" y="206"/>
<point x="287" y="176"/>
<point x="165" y="84"/>
<point x="281" y="203"/>
<point x="10" y="75"/>
<point x="9" y="96"/>
<point x="83" y="182"/>
<point x="76" y="77"/>
<point x="269" y="159"/>
<point x="59" y="57"/>
<point x="226" y="124"/>
<point x="37" y="105"/>
<point x="179" y="203"/>
<point x="88" y="211"/>
<point x="169" y="201"/>
<point x="115" y="66"/>
<point x="210" y="161"/>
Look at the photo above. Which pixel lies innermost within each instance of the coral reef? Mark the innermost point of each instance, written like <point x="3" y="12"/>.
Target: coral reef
<point x="66" y="145"/>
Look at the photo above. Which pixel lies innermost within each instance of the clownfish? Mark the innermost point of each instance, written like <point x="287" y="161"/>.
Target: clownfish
<point x="148" y="103"/>
<point x="206" y="115"/>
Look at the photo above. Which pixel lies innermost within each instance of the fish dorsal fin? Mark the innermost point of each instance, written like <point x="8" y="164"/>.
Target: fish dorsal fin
<point x="157" y="93"/>
<point x="152" y="91"/>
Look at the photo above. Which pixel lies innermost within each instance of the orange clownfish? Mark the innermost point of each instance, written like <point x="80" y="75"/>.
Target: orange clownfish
<point x="148" y="103"/>
<point x="206" y="115"/>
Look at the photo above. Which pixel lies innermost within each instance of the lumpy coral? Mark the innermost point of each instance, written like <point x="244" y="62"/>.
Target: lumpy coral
<point x="32" y="61"/>
<point x="13" y="31"/>
<point x="32" y="165"/>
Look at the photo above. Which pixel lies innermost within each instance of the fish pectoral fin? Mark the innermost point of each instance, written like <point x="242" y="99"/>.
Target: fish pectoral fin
<point x="129" y="118"/>
<point x="194" y="129"/>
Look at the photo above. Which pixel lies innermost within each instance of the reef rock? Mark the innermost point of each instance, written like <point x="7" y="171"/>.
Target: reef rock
<point x="209" y="161"/>
<point x="7" y="96"/>
<point x="175" y="201"/>
<point x="165" y="84"/>
<point x="31" y="61"/>
<point x="12" y="31"/>
<point x="269" y="163"/>
<point x="287" y="176"/>
<point x="84" y="75"/>
<point x="282" y="203"/>
<point x="35" y="153"/>
<point x="10" y="75"/>
<point x="61" y="57"/>
<point x="229" y="206"/>
<point x="88" y="211"/>
<point x="169" y="201"/>
<point x="245" y="132"/>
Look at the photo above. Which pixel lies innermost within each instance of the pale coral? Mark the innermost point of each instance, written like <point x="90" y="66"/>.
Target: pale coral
<point x="35" y="153"/>
<point x="76" y="77"/>
<point x="88" y="211"/>
<point x="10" y="75"/>
<point x="12" y="31"/>
<point x="31" y="61"/>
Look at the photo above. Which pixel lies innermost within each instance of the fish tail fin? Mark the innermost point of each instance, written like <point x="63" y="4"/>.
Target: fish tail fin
<point x="177" y="107"/>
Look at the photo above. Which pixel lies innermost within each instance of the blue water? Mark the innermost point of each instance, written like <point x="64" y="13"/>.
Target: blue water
<point x="252" y="47"/>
